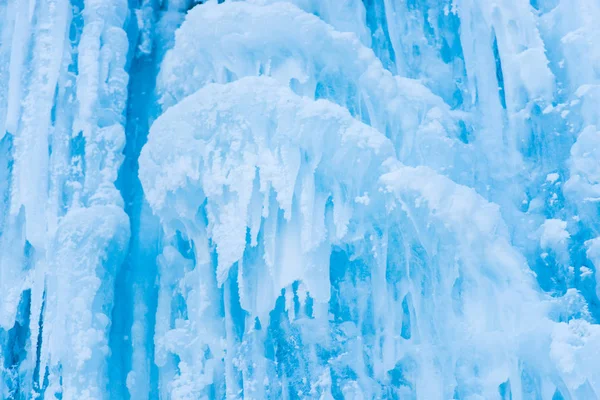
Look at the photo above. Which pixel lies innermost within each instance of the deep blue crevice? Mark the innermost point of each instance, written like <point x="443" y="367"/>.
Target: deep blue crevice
<point x="499" y="74"/>
<point x="136" y="279"/>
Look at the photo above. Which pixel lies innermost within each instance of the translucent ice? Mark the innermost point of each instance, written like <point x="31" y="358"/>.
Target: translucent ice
<point x="299" y="199"/>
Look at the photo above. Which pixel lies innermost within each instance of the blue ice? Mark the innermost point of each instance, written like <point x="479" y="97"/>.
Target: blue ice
<point x="303" y="199"/>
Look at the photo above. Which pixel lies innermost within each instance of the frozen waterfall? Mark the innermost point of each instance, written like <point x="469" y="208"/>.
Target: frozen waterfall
<point x="303" y="199"/>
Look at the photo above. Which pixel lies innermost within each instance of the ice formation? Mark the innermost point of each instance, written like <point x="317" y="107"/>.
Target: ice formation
<point x="329" y="199"/>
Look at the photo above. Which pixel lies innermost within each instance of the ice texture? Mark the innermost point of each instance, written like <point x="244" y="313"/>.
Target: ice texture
<point x="328" y="199"/>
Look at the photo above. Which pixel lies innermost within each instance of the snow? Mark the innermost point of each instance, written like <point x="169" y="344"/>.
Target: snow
<point x="326" y="64"/>
<point x="289" y="145"/>
<point x="593" y="253"/>
<point x="326" y="199"/>
<point x="553" y="177"/>
<point x="553" y="233"/>
<point x="89" y="245"/>
<point x="585" y="170"/>
<point x="585" y="272"/>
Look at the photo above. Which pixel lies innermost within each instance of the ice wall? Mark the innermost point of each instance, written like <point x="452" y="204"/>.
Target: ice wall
<point x="299" y="199"/>
<point x="64" y="231"/>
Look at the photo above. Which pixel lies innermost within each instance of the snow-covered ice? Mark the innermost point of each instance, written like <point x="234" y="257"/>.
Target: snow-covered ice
<point x="328" y="199"/>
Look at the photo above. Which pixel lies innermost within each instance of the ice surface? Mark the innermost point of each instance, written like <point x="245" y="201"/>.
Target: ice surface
<point x="292" y="147"/>
<point x="325" y="64"/>
<point x="299" y="199"/>
<point x="88" y="246"/>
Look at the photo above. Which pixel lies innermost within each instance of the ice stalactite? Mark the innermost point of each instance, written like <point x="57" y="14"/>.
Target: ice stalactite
<point x="299" y="199"/>
<point x="325" y="64"/>
<point x="311" y="71"/>
<point x="65" y="217"/>
<point x="291" y="148"/>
